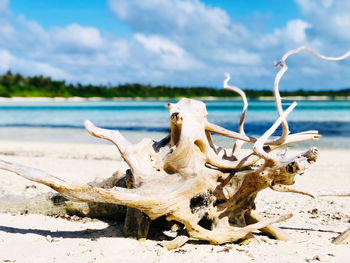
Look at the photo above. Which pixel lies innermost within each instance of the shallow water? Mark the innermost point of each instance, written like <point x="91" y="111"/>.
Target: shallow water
<point x="63" y="121"/>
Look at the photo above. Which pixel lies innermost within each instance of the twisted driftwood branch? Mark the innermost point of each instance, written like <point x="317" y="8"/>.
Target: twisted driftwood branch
<point x="283" y="69"/>
<point x="238" y="144"/>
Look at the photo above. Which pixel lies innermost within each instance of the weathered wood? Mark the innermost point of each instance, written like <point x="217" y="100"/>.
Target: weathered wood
<point x="55" y="204"/>
<point x="343" y="238"/>
<point x="176" y="242"/>
<point x="136" y="224"/>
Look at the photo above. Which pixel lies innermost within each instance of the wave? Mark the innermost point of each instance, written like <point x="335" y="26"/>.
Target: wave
<point x="326" y="128"/>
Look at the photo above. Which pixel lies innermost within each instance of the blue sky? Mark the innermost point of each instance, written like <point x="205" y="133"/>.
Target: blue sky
<point x="176" y="42"/>
<point x="265" y="14"/>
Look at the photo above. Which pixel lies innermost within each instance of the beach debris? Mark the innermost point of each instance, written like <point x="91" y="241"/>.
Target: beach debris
<point x="343" y="238"/>
<point x="186" y="178"/>
<point x="339" y="194"/>
<point x="49" y="239"/>
<point x="176" y="242"/>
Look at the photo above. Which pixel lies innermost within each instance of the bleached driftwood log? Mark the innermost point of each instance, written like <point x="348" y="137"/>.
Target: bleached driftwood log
<point x="188" y="179"/>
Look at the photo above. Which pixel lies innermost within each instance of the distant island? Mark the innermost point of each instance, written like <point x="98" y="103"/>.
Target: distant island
<point x="16" y="85"/>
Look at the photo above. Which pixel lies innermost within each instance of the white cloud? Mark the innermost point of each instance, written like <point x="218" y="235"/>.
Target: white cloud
<point x="179" y="42"/>
<point x="292" y="35"/>
<point x="3" y="5"/>
<point x="187" y="22"/>
<point x="6" y="58"/>
<point x="47" y="70"/>
<point x="295" y="31"/>
<point x="6" y="30"/>
<point x="90" y="56"/>
<point x="31" y="67"/>
<point x="237" y="57"/>
<point x="314" y="5"/>
<point x="172" y="56"/>
<point x="77" y="37"/>
<point x="176" y="16"/>
<point x="340" y="24"/>
<point x="330" y="19"/>
<point x="29" y="49"/>
<point x="159" y="45"/>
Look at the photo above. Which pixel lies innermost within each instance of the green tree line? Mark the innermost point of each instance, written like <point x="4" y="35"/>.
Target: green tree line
<point x="16" y="85"/>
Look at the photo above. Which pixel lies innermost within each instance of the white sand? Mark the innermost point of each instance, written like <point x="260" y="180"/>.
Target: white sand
<point x="38" y="238"/>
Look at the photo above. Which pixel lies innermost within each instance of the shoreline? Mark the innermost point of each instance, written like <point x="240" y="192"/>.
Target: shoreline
<point x="78" y="136"/>
<point x="96" y="99"/>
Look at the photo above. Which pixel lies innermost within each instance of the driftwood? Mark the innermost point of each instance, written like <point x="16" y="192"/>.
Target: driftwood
<point x="186" y="178"/>
<point x="343" y="238"/>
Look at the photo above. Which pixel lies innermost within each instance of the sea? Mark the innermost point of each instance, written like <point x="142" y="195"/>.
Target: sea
<point x="62" y="121"/>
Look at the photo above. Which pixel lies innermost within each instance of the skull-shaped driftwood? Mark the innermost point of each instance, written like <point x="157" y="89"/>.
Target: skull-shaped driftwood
<point x="188" y="179"/>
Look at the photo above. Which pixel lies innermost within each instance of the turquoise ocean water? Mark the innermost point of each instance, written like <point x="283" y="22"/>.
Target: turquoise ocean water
<point x="63" y="121"/>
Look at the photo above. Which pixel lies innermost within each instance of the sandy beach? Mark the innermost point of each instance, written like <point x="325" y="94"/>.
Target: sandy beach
<point x="39" y="238"/>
